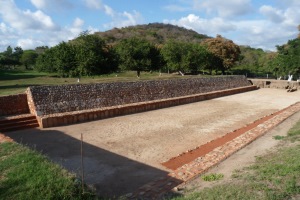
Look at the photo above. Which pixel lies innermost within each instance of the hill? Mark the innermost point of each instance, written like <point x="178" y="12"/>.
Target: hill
<point x="156" y="33"/>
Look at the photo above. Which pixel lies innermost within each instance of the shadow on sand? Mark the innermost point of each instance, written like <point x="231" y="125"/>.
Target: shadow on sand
<point x="110" y="174"/>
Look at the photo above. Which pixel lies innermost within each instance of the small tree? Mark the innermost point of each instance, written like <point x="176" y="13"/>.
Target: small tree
<point x="173" y="53"/>
<point x="224" y="49"/>
<point x="93" y="56"/>
<point x="28" y="58"/>
<point x="137" y="54"/>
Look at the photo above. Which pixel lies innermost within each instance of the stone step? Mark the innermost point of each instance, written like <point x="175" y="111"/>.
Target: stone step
<point x="16" y="120"/>
<point x="16" y="128"/>
<point x="13" y="123"/>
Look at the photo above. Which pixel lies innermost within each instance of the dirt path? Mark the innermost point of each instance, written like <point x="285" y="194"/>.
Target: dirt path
<point x="123" y="153"/>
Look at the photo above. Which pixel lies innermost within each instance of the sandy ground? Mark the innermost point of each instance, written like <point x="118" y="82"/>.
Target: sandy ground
<point x="124" y="153"/>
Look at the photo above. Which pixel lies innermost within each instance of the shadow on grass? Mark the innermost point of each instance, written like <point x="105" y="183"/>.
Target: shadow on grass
<point x="111" y="175"/>
<point x="17" y="86"/>
<point x="18" y="74"/>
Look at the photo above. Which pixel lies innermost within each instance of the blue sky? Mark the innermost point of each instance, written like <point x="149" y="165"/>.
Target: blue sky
<point x="257" y="23"/>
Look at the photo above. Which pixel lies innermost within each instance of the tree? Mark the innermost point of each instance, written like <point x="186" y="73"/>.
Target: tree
<point x="224" y="49"/>
<point x="195" y="57"/>
<point x="8" y="52"/>
<point x="17" y="53"/>
<point x="8" y="58"/>
<point x="137" y="54"/>
<point x="173" y="53"/>
<point x="288" y="57"/>
<point x="93" y="56"/>
<point x="64" y="61"/>
<point x="41" y="49"/>
<point x="184" y="57"/>
<point x="28" y="58"/>
<point x="85" y="55"/>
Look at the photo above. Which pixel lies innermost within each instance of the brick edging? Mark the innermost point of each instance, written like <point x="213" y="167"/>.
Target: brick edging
<point x="157" y="188"/>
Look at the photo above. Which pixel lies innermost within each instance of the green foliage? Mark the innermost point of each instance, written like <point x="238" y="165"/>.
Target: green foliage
<point x="172" y="53"/>
<point x="212" y="177"/>
<point x="223" y="49"/>
<point x="10" y="58"/>
<point x="288" y="57"/>
<point x="185" y="57"/>
<point x="26" y="174"/>
<point x="28" y="58"/>
<point x="155" y="33"/>
<point x="137" y="54"/>
<point x="46" y="61"/>
<point x="294" y="133"/>
<point x="93" y="56"/>
<point x="278" y="137"/>
<point x="85" y="56"/>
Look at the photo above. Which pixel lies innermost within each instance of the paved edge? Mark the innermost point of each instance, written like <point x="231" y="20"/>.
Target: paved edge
<point x="159" y="187"/>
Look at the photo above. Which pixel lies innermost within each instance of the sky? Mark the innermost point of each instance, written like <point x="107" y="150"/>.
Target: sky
<point x="256" y="23"/>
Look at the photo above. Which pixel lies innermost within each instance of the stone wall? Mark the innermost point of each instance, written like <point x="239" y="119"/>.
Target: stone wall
<point x="272" y="83"/>
<point x="68" y="98"/>
<point x="13" y="104"/>
<point x="66" y="118"/>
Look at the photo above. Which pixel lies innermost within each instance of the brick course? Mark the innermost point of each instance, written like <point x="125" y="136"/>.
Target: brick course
<point x="13" y="104"/>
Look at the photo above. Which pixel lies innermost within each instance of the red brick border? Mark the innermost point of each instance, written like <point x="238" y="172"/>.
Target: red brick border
<point x="157" y="188"/>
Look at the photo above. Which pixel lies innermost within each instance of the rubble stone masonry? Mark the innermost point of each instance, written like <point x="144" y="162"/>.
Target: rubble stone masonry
<point x="69" y="98"/>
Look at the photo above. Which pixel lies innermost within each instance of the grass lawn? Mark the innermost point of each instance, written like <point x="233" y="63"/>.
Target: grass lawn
<point x="273" y="176"/>
<point x="17" y="81"/>
<point x="26" y="174"/>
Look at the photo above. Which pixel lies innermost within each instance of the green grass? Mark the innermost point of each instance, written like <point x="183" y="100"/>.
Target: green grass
<point x="273" y="176"/>
<point x="278" y="137"/>
<point x="212" y="177"/>
<point x="26" y="174"/>
<point x="18" y="80"/>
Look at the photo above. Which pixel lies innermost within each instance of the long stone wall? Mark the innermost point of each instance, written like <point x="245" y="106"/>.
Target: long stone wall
<point x="13" y="104"/>
<point x="48" y="100"/>
<point x="60" y="119"/>
<point x="278" y="84"/>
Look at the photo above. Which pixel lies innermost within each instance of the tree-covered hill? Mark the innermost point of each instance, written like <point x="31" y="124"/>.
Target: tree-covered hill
<point x="156" y="33"/>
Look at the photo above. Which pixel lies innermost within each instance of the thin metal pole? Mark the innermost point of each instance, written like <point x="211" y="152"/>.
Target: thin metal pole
<point x="82" y="169"/>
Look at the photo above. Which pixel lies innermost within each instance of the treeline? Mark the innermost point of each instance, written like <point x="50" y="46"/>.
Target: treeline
<point x="90" y="54"/>
<point x="157" y="33"/>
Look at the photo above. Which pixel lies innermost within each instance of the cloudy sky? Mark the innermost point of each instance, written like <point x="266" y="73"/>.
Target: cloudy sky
<point x="257" y="23"/>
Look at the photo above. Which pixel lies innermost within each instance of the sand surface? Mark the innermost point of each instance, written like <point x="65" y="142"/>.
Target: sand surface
<point x="124" y="153"/>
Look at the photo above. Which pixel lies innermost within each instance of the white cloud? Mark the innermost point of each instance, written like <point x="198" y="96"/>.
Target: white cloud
<point x="40" y="4"/>
<point x="205" y="26"/>
<point x="21" y="20"/>
<point x="119" y="19"/>
<point x="76" y="28"/>
<point x="4" y="29"/>
<point x="226" y="9"/>
<point x="261" y="34"/>
<point x="31" y="29"/>
<point x="109" y="11"/>
<point x="125" y="19"/>
<point x="94" y="4"/>
<point x="176" y="8"/>
<point x="52" y="4"/>
<point x="273" y="14"/>
<point x="78" y="22"/>
<point x="29" y="43"/>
